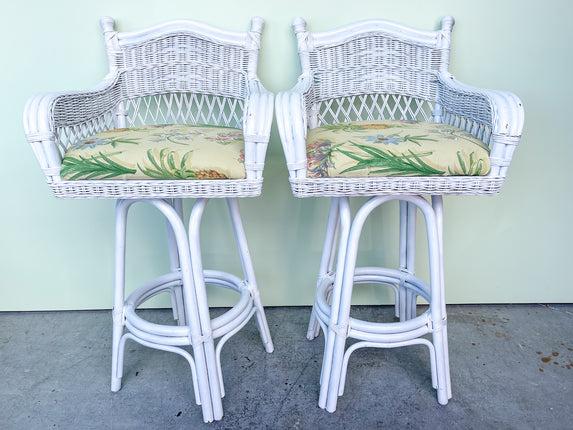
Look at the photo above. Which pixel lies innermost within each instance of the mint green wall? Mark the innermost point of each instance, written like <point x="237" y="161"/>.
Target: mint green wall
<point x="57" y="254"/>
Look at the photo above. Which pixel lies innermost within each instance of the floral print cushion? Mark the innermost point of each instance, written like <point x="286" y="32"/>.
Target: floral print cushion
<point x="171" y="151"/>
<point x="394" y="148"/>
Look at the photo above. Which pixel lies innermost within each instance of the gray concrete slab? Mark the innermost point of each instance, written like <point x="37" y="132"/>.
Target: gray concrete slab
<point x="511" y="366"/>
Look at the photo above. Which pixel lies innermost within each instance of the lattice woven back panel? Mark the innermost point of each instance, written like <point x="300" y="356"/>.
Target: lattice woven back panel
<point x="369" y="107"/>
<point x="373" y="76"/>
<point x="391" y="106"/>
<point x="174" y="108"/>
<point x="184" y="108"/>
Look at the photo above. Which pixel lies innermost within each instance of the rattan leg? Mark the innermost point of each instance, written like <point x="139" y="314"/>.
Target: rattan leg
<point x="327" y="260"/>
<point x="203" y="307"/>
<point x="346" y="272"/>
<point x="119" y="295"/>
<point x="438" y="206"/>
<point x="190" y="306"/>
<point x="438" y="321"/>
<point x="406" y="303"/>
<point x="195" y="310"/>
<point x="335" y="315"/>
<point x="176" y="292"/>
<point x="333" y="336"/>
<point x="249" y="273"/>
<point x="186" y="283"/>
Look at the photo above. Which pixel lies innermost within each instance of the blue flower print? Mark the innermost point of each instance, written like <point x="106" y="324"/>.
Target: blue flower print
<point x="384" y="139"/>
<point x="89" y="143"/>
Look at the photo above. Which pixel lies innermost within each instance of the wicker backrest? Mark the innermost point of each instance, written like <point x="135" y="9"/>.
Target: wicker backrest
<point x="372" y="70"/>
<point x="183" y="72"/>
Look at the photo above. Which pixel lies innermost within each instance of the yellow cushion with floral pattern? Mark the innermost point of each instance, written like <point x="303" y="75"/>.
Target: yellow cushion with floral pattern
<point x="172" y="151"/>
<point x="394" y="148"/>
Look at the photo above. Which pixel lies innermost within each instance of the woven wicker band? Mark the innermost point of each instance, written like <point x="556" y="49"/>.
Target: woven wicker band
<point x="452" y="185"/>
<point x="203" y="188"/>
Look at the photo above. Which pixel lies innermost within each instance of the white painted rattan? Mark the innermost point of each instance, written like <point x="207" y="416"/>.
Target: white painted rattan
<point x="338" y="274"/>
<point x="181" y="72"/>
<point x="381" y="70"/>
<point x="186" y="283"/>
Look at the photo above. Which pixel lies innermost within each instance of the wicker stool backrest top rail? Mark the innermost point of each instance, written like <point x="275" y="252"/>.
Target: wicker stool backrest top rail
<point x="179" y="57"/>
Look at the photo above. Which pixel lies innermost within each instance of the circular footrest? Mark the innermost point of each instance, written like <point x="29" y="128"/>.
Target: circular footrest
<point x="378" y="331"/>
<point x="179" y="335"/>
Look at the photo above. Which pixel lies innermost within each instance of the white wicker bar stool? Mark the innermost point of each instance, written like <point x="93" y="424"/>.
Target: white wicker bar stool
<point x="376" y="113"/>
<point x="181" y="114"/>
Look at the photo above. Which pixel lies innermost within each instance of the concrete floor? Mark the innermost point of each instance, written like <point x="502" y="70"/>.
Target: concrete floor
<point x="511" y="367"/>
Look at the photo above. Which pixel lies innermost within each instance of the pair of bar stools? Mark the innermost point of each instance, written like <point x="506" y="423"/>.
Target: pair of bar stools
<point x="182" y="114"/>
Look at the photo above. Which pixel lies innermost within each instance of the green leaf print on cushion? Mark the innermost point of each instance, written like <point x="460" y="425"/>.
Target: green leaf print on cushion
<point x="167" y="167"/>
<point x="394" y="148"/>
<point x="473" y="167"/>
<point x="100" y="166"/>
<point x="378" y="160"/>
<point x="158" y="152"/>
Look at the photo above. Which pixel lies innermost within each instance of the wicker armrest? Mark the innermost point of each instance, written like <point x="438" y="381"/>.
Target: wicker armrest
<point x="258" y="119"/>
<point x="291" y="122"/>
<point x="501" y="111"/>
<point x="47" y="114"/>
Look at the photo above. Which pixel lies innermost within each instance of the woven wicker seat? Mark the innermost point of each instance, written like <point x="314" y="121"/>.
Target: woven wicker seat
<point x="173" y="83"/>
<point x="370" y="71"/>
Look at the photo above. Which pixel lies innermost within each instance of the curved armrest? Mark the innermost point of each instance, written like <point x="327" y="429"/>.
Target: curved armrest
<point x="502" y="111"/>
<point x="45" y="114"/>
<point x="258" y="119"/>
<point x="291" y="122"/>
